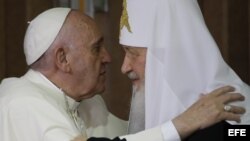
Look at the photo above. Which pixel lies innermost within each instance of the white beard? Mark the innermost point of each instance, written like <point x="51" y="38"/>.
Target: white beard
<point x="137" y="111"/>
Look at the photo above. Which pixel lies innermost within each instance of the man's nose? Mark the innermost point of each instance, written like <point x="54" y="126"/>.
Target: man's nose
<point x="106" y="56"/>
<point x="126" y="66"/>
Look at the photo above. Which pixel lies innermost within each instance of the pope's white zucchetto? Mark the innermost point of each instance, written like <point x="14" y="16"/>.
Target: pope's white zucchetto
<point x="42" y="31"/>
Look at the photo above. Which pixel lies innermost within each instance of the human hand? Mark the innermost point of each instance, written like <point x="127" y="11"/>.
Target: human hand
<point x="209" y="110"/>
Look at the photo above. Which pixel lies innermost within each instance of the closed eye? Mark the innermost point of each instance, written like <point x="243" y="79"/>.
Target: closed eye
<point x="98" y="45"/>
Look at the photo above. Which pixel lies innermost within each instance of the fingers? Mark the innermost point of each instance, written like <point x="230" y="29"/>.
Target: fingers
<point x="231" y="97"/>
<point x="210" y="108"/>
<point x="234" y="112"/>
<point x="237" y="110"/>
<point x="231" y="116"/>
<point x="222" y="90"/>
<point x="215" y="103"/>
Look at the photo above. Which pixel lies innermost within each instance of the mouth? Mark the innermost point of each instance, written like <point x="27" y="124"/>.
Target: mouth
<point x="134" y="81"/>
<point x="103" y="73"/>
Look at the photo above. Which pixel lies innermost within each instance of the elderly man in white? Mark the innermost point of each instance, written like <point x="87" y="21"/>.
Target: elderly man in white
<point x="64" y="50"/>
<point x="169" y="48"/>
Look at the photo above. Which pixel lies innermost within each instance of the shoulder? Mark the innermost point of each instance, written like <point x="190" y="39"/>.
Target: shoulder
<point x="20" y="93"/>
<point x="14" y="85"/>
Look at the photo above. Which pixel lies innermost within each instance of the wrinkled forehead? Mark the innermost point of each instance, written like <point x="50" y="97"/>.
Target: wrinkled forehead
<point x="83" y="22"/>
<point x="80" y="28"/>
<point x="136" y="51"/>
<point x="137" y="23"/>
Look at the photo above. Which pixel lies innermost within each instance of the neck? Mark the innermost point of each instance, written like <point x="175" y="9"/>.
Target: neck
<point x="61" y="81"/>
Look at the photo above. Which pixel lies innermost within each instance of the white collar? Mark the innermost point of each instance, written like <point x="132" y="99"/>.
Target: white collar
<point x="58" y="95"/>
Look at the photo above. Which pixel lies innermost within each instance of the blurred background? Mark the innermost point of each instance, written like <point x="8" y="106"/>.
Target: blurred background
<point x="227" y="20"/>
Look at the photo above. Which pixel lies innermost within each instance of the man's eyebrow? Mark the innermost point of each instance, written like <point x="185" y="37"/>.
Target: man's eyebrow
<point x="130" y="51"/>
<point x="99" y="41"/>
<point x="126" y="48"/>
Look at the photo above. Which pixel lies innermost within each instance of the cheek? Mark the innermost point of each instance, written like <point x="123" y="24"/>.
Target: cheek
<point x="93" y="72"/>
<point x="87" y="66"/>
<point x="140" y="67"/>
<point x="90" y="69"/>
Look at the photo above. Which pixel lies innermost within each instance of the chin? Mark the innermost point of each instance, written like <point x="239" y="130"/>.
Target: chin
<point x="101" y="90"/>
<point x="87" y="96"/>
<point x="138" y="85"/>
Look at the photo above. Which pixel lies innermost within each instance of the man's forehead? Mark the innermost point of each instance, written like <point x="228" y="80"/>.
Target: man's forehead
<point x="135" y="50"/>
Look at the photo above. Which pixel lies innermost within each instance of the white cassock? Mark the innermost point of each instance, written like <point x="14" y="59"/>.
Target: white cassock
<point x="34" y="109"/>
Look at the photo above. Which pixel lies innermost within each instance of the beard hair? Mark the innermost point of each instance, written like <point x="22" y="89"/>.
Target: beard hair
<point x="137" y="110"/>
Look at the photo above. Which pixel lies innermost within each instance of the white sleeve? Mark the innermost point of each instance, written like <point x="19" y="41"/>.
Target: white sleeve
<point x="169" y="132"/>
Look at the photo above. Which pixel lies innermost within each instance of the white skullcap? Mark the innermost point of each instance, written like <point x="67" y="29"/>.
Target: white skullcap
<point x="133" y="30"/>
<point x="42" y="31"/>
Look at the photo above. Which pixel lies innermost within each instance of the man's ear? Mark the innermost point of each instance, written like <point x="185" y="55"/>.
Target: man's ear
<point x="62" y="60"/>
